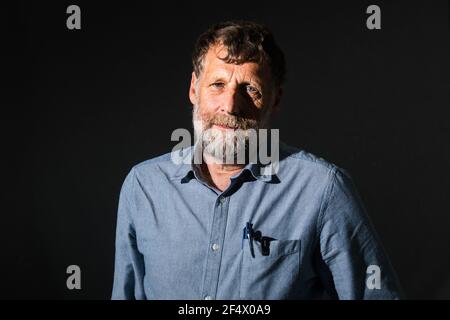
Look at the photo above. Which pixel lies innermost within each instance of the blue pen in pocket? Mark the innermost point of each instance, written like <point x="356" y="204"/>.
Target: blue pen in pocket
<point x="248" y="234"/>
<point x="244" y="236"/>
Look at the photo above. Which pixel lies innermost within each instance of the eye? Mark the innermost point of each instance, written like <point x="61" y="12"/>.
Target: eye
<point x="252" y="90"/>
<point x="218" y="85"/>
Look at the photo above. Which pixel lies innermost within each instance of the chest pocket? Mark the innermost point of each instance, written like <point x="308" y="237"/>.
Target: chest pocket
<point x="271" y="276"/>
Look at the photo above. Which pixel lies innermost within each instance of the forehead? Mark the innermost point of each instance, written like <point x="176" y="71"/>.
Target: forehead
<point x="214" y="66"/>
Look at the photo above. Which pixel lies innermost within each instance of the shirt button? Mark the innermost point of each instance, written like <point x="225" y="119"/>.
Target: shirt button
<point x="215" y="247"/>
<point x="222" y="199"/>
<point x="208" y="298"/>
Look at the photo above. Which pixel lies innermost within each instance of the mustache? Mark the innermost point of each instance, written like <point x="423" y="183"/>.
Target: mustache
<point x="234" y="122"/>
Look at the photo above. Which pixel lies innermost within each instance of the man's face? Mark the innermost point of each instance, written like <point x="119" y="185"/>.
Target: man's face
<point x="229" y="97"/>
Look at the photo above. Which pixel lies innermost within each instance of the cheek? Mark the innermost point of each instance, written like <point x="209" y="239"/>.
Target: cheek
<point x="208" y="101"/>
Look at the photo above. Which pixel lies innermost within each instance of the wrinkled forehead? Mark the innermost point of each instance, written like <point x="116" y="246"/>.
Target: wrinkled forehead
<point x="215" y="65"/>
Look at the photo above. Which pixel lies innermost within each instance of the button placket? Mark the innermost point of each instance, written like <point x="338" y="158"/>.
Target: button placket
<point x="214" y="258"/>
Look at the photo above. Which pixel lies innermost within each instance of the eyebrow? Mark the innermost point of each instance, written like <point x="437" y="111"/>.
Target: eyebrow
<point x="223" y="79"/>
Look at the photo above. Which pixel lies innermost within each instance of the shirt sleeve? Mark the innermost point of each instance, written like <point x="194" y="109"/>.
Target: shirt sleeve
<point x="357" y="264"/>
<point x="129" y="263"/>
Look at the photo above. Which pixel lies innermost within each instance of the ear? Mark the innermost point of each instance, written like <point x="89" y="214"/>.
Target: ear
<point x="277" y="100"/>
<point x="192" y="89"/>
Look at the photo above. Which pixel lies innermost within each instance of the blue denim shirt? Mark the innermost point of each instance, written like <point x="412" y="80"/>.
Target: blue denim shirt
<point x="179" y="238"/>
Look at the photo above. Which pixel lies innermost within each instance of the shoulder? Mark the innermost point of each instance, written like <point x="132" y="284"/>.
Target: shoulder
<point x="165" y="166"/>
<point x="308" y="169"/>
<point x="153" y="163"/>
<point x="307" y="162"/>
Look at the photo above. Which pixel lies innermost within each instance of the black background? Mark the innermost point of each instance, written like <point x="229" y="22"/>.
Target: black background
<point x="81" y="107"/>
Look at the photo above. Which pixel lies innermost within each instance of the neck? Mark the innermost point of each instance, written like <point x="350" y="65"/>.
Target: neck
<point x="219" y="174"/>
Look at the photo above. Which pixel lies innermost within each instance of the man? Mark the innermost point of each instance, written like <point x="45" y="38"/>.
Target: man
<point x="216" y="229"/>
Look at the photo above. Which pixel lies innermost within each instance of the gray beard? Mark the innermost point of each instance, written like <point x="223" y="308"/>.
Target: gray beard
<point x="222" y="146"/>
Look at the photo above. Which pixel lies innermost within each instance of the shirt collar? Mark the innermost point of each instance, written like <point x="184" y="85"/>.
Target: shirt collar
<point x="186" y="170"/>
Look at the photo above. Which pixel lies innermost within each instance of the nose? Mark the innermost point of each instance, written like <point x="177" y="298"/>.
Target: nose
<point x="232" y="102"/>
